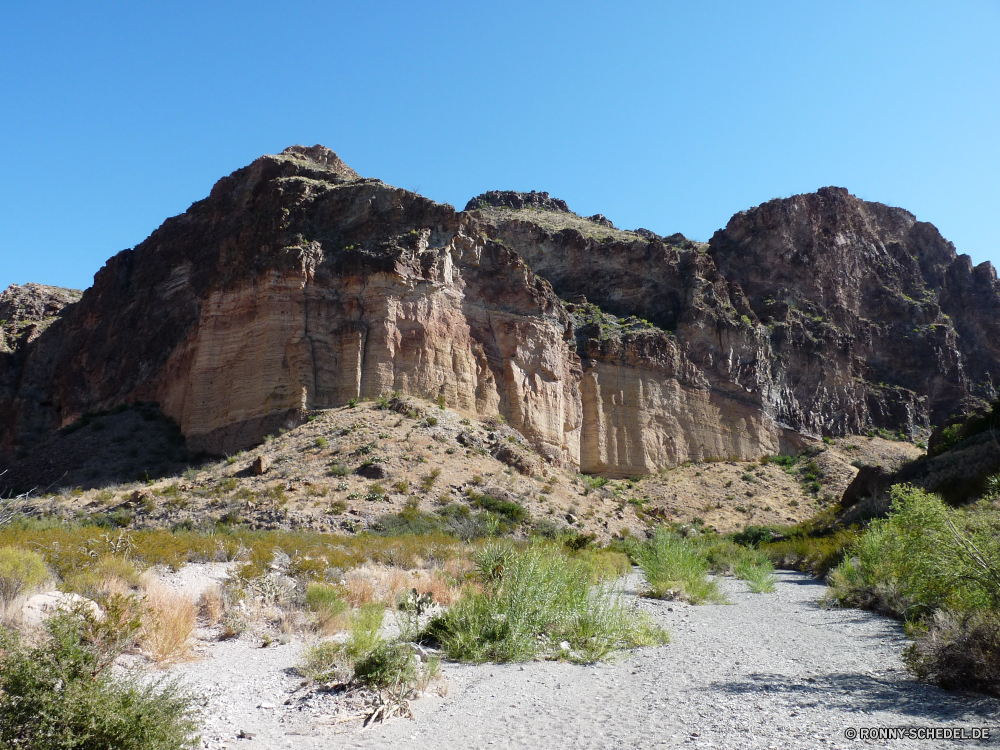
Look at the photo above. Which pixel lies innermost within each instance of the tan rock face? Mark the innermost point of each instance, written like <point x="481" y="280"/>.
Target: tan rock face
<point x="297" y="285"/>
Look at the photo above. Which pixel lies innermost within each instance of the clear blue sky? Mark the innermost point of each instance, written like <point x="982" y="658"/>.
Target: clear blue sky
<point x="671" y="116"/>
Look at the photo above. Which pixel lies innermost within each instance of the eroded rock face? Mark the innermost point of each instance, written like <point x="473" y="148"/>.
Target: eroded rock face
<point x="299" y="285"/>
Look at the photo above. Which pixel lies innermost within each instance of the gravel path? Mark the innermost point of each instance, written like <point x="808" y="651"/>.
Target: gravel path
<point x="769" y="671"/>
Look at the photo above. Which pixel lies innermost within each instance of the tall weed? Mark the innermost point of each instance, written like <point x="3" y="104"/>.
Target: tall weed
<point x="676" y="569"/>
<point x="532" y="601"/>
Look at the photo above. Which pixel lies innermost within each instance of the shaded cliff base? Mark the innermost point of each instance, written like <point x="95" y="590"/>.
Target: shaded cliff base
<point x="962" y="465"/>
<point x="356" y="469"/>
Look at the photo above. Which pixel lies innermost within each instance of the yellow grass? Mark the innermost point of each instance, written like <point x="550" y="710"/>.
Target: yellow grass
<point x="212" y="605"/>
<point x="168" y="625"/>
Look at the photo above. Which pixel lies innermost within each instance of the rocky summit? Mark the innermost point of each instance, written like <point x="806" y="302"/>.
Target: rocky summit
<point x="298" y="285"/>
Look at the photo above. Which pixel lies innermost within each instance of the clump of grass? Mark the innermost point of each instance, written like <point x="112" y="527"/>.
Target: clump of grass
<point x="676" y="569"/>
<point x="746" y="563"/>
<point x="327" y="603"/>
<point x="168" y="625"/>
<point x="427" y="481"/>
<point x="531" y="601"/>
<point x="20" y="571"/>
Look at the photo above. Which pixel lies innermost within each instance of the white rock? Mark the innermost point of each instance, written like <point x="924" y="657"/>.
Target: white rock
<point x="40" y="607"/>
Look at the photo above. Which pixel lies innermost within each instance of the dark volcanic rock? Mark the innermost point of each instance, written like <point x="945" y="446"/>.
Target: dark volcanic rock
<point x="512" y="199"/>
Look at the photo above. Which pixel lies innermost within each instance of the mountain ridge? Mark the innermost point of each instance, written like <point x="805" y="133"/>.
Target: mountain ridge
<point x="298" y="285"/>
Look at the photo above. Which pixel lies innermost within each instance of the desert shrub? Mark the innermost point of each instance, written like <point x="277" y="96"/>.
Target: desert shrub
<point x="531" y="601"/>
<point x="20" y="570"/>
<point x="366" y="657"/>
<point x="959" y="651"/>
<point x="914" y="561"/>
<point x="939" y="569"/>
<point x="61" y="694"/>
<point x="339" y="470"/>
<point x="753" y="536"/>
<point x="109" y="574"/>
<point x="594" y="482"/>
<point x="676" y="568"/>
<point x="508" y="509"/>
<point x="388" y="665"/>
<point x="816" y="554"/>
<point x="408" y="523"/>
<point x="603" y="564"/>
<point x="325" y="599"/>
<point x="428" y="480"/>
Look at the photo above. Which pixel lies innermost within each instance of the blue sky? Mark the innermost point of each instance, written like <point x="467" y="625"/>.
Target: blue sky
<point x="671" y="116"/>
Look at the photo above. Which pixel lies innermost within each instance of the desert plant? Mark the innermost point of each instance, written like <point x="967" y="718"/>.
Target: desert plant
<point x="20" y="570"/>
<point x="61" y="694"/>
<point x="508" y="509"/>
<point x="959" y="651"/>
<point x="327" y="603"/>
<point x="168" y="625"/>
<point x="532" y="601"/>
<point x="427" y="481"/>
<point x="676" y="568"/>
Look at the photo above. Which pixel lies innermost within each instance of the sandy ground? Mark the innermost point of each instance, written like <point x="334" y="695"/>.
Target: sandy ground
<point x="768" y="671"/>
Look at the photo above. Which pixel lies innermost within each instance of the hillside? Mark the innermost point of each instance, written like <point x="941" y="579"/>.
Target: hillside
<point x="393" y="465"/>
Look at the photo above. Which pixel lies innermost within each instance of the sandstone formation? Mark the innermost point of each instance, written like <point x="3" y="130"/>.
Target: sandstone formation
<point x="298" y="285"/>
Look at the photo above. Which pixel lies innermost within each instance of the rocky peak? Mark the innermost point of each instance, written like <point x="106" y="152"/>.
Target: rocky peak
<point x="323" y="156"/>
<point x="27" y="310"/>
<point x="513" y="199"/>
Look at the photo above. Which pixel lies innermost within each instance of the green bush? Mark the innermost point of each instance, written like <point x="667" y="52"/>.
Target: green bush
<point x="20" y="570"/>
<point x="915" y="561"/>
<point x="675" y="568"/>
<point x="61" y="695"/>
<point x="509" y="509"/>
<point x="388" y="665"/>
<point x="939" y="569"/>
<point x="325" y="599"/>
<point x="532" y="601"/>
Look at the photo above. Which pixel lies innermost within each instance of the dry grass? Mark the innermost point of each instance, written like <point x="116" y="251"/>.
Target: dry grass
<point x="372" y="582"/>
<point x="168" y="625"/>
<point x="212" y="605"/>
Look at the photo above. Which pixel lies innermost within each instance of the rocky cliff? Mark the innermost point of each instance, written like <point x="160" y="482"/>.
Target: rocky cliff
<point x="298" y="285"/>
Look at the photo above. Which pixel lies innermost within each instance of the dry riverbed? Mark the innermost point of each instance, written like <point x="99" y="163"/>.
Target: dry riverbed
<point x="768" y="671"/>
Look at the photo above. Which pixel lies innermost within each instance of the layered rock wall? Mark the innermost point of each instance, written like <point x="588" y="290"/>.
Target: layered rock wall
<point x="298" y="285"/>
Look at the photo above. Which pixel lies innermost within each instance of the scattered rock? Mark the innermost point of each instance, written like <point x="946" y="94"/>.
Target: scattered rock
<point x="40" y="607"/>
<point x="261" y="465"/>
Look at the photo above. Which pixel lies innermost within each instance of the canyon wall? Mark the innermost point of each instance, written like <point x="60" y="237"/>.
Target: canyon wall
<point x="297" y="285"/>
